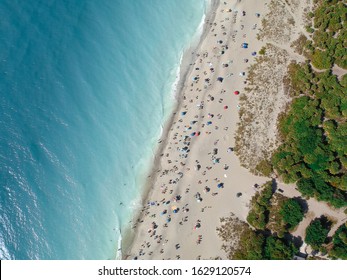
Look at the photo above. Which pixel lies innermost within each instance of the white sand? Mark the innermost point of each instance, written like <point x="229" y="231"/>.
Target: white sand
<point x="176" y="175"/>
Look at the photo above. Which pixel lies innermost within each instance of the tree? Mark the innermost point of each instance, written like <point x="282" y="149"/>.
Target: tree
<point x="316" y="233"/>
<point x="277" y="249"/>
<point x="250" y="246"/>
<point x="292" y="213"/>
<point x="258" y="214"/>
<point x="339" y="249"/>
<point x="321" y="60"/>
<point x="306" y="187"/>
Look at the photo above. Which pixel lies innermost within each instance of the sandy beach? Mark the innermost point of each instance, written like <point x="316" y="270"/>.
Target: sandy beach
<point x="197" y="178"/>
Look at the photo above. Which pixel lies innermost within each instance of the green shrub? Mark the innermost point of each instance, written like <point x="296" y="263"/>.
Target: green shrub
<point x="259" y="210"/>
<point x="265" y="168"/>
<point x="339" y="249"/>
<point x="292" y="213"/>
<point x="316" y="233"/>
<point x="321" y="59"/>
<point x="277" y="249"/>
<point x="262" y="51"/>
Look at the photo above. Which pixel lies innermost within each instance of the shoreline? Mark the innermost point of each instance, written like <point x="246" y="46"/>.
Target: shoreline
<point x="218" y="52"/>
<point x="187" y="60"/>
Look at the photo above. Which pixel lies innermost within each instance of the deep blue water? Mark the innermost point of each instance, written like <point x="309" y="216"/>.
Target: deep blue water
<point x="84" y="89"/>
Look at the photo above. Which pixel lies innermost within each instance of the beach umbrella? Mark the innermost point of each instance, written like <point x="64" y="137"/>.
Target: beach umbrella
<point x="183" y="113"/>
<point x="236" y="92"/>
<point x="254" y="53"/>
<point x="225" y="107"/>
<point x="193" y="134"/>
<point x="209" y="123"/>
<point x="198" y="133"/>
<point x="244" y="45"/>
<point x="220" y="185"/>
<point x="220" y="79"/>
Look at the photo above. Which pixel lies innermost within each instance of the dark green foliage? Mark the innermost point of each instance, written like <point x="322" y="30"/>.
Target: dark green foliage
<point x="321" y="60"/>
<point x="329" y="35"/>
<point x="257" y="217"/>
<point x="339" y="249"/>
<point x="258" y="214"/>
<point x="314" y="134"/>
<point x="250" y="246"/>
<point x="344" y="81"/>
<point x="316" y="233"/>
<point x="265" y="194"/>
<point x="278" y="249"/>
<point x="292" y="213"/>
<point x="306" y="187"/>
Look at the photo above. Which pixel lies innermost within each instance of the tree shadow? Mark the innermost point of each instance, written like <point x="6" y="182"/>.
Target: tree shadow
<point x="274" y="185"/>
<point x="326" y="223"/>
<point x="296" y="240"/>
<point x="303" y="203"/>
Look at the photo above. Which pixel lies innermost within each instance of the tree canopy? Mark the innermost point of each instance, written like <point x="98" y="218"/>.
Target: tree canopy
<point x="314" y="128"/>
<point x="316" y="233"/>
<point x="259" y="211"/>
<point x="292" y="213"/>
<point x="339" y="249"/>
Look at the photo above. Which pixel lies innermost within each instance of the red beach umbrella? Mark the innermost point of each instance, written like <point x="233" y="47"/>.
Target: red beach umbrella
<point x="236" y="92"/>
<point x="225" y="107"/>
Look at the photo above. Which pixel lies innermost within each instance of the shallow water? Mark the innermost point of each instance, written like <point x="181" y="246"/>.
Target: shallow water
<point x="85" y="88"/>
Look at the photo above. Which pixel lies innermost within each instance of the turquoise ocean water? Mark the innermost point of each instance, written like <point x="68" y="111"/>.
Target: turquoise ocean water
<point x="85" y="87"/>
